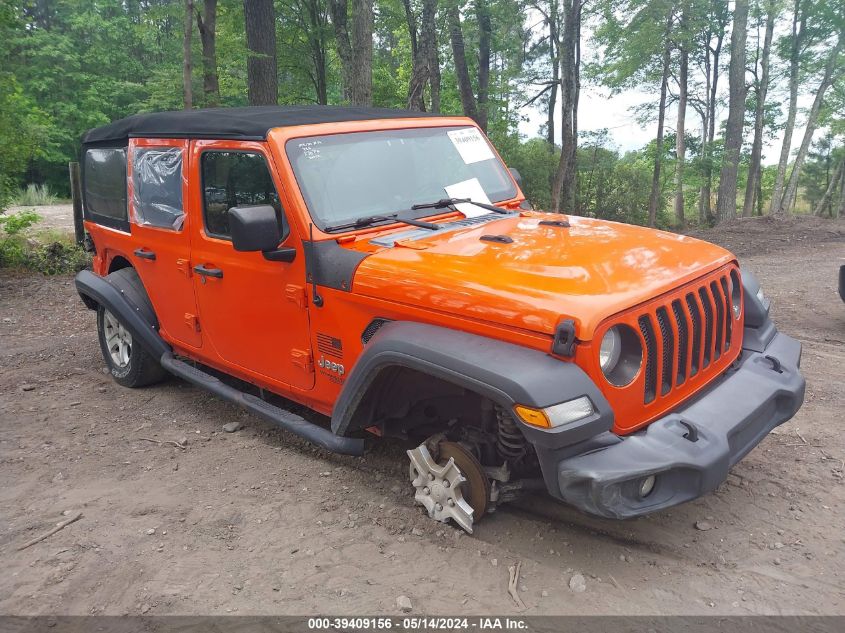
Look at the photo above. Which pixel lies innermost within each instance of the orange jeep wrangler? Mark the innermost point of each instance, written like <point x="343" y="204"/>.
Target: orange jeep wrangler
<point x="383" y="268"/>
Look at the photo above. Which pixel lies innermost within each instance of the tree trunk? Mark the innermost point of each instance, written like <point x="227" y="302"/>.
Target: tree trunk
<point x="207" y="26"/>
<point x="187" y="88"/>
<point x="554" y="61"/>
<point x="262" y="77"/>
<point x="363" y="23"/>
<point x="792" y="186"/>
<point x="654" y="196"/>
<point x="839" y="211"/>
<point x="705" y="208"/>
<point x="411" y="20"/>
<point x="355" y="49"/>
<point x="317" y="45"/>
<point x="798" y="31"/>
<point x="831" y="187"/>
<point x="434" y="59"/>
<point x="762" y="89"/>
<point x="562" y="186"/>
<point x="680" y="140"/>
<point x="456" y="36"/>
<point x="421" y="74"/>
<point x="726" y="200"/>
<point x="485" y="30"/>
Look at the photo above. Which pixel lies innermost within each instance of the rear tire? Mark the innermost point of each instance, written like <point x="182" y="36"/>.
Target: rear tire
<point x="129" y="363"/>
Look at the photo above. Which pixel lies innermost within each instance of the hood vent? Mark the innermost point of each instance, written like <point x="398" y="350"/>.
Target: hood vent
<point x="415" y="234"/>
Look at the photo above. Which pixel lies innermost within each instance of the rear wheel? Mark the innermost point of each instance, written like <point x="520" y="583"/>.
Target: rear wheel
<point x="128" y="362"/>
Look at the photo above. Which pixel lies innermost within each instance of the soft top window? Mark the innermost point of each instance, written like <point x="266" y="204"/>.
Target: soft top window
<point x="104" y="174"/>
<point x="157" y="187"/>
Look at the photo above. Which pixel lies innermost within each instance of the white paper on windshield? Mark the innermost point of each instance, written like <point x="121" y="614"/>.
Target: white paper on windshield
<point x="470" y="145"/>
<point x="468" y="189"/>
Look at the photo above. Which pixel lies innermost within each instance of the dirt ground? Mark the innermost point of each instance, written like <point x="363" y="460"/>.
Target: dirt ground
<point x="259" y="522"/>
<point x="55" y="216"/>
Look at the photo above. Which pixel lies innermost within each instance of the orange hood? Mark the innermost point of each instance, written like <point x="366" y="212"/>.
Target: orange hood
<point x="587" y="272"/>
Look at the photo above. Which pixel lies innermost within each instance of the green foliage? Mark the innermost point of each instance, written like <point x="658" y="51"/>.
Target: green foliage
<point x="16" y="222"/>
<point x="34" y="196"/>
<point x="47" y="252"/>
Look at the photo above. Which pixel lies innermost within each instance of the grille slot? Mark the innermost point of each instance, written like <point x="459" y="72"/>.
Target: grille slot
<point x="695" y="317"/>
<point x="650" y="359"/>
<point x="708" y="326"/>
<point x="683" y="341"/>
<point x="729" y="311"/>
<point x="667" y="337"/>
<point x="718" y="346"/>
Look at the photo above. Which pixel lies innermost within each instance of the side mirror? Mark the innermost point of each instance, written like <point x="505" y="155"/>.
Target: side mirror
<point x="254" y="228"/>
<point x="516" y="175"/>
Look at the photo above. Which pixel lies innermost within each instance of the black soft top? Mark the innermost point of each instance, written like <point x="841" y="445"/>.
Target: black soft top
<point x="249" y="123"/>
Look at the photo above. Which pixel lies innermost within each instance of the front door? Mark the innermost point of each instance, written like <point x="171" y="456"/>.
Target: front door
<point x="253" y="312"/>
<point x="160" y="231"/>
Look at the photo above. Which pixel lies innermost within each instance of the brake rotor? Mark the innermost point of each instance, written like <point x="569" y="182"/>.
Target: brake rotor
<point x="477" y="487"/>
<point x="453" y="487"/>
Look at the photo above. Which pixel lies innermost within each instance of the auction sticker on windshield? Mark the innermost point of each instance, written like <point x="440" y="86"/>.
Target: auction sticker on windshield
<point x="470" y="145"/>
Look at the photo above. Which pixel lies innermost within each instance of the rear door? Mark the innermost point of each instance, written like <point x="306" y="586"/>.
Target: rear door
<point x="253" y="311"/>
<point x="157" y="191"/>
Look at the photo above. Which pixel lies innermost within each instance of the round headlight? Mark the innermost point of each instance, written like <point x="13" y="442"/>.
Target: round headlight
<point x="736" y="294"/>
<point x="611" y="346"/>
<point x="620" y="355"/>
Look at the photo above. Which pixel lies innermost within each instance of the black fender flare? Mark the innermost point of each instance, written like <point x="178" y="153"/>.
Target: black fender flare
<point x="139" y="320"/>
<point x="505" y="373"/>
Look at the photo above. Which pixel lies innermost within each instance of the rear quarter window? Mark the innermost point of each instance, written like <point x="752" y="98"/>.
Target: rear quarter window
<point x="104" y="176"/>
<point x="157" y="187"/>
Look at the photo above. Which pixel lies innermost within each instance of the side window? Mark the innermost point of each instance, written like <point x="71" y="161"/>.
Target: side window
<point x="104" y="172"/>
<point x="234" y="179"/>
<point x="157" y="187"/>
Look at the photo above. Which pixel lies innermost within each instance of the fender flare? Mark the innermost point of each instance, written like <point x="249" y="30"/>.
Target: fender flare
<point x="139" y="320"/>
<point x="143" y="325"/>
<point x="505" y="373"/>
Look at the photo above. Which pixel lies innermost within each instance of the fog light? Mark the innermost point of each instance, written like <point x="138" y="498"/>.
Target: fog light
<point x="647" y="485"/>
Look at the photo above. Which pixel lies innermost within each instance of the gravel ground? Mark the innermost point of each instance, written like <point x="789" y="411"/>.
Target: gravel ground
<point x="259" y="522"/>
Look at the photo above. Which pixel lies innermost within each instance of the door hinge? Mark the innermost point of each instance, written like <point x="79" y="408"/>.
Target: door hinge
<point x="297" y="295"/>
<point x="302" y="358"/>
<point x="184" y="266"/>
<point x="192" y="322"/>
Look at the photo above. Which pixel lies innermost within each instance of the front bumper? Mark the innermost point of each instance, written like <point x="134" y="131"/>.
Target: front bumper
<point x="690" y="451"/>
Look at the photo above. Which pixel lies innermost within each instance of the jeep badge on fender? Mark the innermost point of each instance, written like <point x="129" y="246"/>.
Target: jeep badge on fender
<point x="624" y="370"/>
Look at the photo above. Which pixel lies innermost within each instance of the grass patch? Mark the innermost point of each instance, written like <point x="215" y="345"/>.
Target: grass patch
<point x="46" y="251"/>
<point x="34" y="196"/>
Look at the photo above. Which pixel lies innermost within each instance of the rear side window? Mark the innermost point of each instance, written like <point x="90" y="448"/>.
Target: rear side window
<point x="157" y="187"/>
<point x="104" y="173"/>
<point x="234" y="179"/>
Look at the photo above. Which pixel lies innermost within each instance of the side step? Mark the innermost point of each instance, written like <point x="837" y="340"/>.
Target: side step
<point x="285" y="419"/>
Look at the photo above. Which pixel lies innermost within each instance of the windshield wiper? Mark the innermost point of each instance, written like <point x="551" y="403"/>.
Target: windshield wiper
<point x="373" y="219"/>
<point x="448" y="202"/>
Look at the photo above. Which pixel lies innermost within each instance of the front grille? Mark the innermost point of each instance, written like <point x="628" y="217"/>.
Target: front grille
<point x="685" y="335"/>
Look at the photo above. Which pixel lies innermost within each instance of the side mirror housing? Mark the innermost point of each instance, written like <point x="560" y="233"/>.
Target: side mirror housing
<point x="254" y="228"/>
<point x="516" y="175"/>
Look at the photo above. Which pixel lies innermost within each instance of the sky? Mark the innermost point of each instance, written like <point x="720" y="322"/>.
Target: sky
<point x="598" y="109"/>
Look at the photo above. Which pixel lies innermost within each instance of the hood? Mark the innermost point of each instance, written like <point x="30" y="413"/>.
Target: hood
<point x="588" y="271"/>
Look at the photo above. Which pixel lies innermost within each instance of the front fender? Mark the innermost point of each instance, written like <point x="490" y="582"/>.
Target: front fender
<point x="505" y="373"/>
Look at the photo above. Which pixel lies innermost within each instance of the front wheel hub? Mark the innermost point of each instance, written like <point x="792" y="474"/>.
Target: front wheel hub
<point x="443" y="489"/>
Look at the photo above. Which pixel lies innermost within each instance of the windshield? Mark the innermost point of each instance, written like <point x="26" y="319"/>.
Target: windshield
<point x="344" y="177"/>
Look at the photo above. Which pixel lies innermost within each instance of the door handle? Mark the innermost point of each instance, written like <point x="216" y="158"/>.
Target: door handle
<point x="145" y="254"/>
<point x="208" y="272"/>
